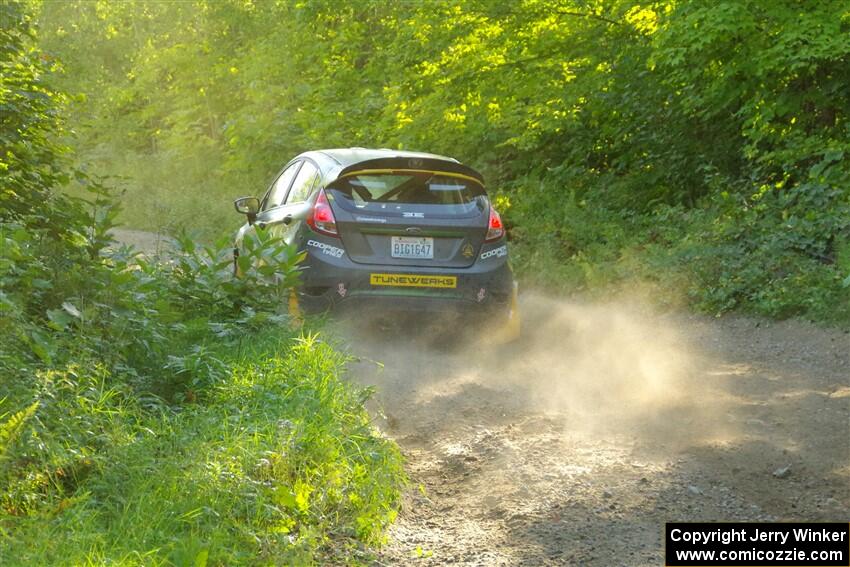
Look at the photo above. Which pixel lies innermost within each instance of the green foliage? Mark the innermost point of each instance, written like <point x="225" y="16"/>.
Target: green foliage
<point x="280" y="465"/>
<point x="11" y="430"/>
<point x="31" y="162"/>
<point x="139" y="396"/>
<point x="146" y="358"/>
<point x="734" y="109"/>
<point x="758" y="257"/>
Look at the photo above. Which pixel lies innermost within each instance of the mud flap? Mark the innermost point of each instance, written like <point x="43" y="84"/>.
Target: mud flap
<point x="510" y="330"/>
<point x="296" y="319"/>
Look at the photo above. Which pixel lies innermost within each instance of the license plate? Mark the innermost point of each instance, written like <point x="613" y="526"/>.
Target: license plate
<point x="413" y="280"/>
<point x="412" y="247"/>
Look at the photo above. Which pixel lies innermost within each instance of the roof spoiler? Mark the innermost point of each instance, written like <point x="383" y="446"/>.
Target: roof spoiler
<point x="425" y="164"/>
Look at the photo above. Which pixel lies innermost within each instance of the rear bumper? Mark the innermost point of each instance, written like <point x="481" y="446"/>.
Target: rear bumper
<point x="385" y="304"/>
<point x="333" y="281"/>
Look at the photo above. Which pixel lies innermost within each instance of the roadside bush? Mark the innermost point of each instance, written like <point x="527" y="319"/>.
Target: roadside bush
<point x="281" y="465"/>
<point x="156" y="410"/>
<point x="779" y="252"/>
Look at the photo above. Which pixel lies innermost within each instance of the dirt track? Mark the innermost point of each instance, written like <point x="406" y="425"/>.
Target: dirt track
<point x="147" y="242"/>
<point x="577" y="444"/>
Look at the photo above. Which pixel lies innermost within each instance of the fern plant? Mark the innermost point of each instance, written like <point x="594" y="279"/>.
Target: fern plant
<point x="12" y="428"/>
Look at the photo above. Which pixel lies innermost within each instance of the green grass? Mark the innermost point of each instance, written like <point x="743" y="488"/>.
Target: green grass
<point x="163" y="413"/>
<point x="278" y="463"/>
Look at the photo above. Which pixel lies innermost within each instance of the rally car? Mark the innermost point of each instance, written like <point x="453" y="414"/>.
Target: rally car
<point x="390" y="230"/>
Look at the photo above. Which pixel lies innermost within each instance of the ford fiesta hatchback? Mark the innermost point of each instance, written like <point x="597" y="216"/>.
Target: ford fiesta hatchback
<point x="389" y="230"/>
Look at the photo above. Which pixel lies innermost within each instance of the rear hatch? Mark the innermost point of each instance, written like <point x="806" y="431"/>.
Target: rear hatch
<point x="405" y="216"/>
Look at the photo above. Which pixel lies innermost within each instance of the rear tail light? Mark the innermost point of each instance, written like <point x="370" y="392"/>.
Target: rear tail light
<point x="321" y="218"/>
<point x="495" y="229"/>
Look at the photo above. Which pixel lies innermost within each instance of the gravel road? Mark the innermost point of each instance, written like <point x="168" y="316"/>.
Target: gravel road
<point x="146" y="242"/>
<point x="576" y="445"/>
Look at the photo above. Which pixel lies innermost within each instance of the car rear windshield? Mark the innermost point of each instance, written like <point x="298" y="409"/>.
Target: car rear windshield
<point x="453" y="195"/>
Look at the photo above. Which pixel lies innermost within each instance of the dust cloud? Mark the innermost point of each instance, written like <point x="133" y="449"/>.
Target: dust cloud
<point x="603" y="418"/>
<point x="603" y="368"/>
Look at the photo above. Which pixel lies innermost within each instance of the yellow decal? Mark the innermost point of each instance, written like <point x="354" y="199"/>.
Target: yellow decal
<point x="411" y="280"/>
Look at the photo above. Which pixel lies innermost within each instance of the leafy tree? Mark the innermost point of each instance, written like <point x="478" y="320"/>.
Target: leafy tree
<point x="732" y="110"/>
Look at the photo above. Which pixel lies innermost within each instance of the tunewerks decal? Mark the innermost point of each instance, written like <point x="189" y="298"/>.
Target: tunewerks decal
<point x="413" y="280"/>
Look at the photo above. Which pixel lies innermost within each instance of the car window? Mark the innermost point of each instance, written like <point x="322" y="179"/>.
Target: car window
<point x="303" y="184"/>
<point x="277" y="193"/>
<point x="452" y="195"/>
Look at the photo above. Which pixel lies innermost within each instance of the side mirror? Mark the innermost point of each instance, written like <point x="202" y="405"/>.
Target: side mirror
<point x="249" y="206"/>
